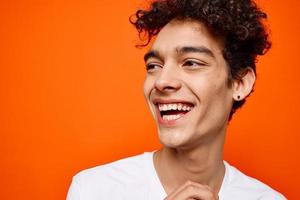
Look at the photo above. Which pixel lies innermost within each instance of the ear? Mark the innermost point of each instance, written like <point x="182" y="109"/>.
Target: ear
<point x="242" y="87"/>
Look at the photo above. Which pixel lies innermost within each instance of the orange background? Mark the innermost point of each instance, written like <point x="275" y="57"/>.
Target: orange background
<point x="71" y="97"/>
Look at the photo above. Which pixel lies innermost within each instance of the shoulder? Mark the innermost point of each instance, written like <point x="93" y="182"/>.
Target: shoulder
<point x="124" y="168"/>
<point x="112" y="179"/>
<point x="127" y="169"/>
<point x="238" y="185"/>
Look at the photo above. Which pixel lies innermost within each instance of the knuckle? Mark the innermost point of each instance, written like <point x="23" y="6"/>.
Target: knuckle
<point x="191" y="188"/>
<point x="188" y="182"/>
<point x="208" y="188"/>
<point x="211" y="195"/>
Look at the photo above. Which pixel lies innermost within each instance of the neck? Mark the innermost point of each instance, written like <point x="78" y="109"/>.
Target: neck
<point x="203" y="165"/>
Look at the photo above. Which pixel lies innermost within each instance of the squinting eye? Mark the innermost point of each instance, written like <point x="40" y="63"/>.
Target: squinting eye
<point x="193" y="64"/>
<point x="152" y="66"/>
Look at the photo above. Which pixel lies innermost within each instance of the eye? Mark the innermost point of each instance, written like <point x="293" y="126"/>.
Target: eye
<point x="193" y="64"/>
<point x="150" y="67"/>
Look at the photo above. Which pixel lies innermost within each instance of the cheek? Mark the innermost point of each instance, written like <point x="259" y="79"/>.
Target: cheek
<point x="212" y="90"/>
<point x="218" y="100"/>
<point x="146" y="87"/>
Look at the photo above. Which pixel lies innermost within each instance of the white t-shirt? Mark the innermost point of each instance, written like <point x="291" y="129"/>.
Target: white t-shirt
<point x="135" y="178"/>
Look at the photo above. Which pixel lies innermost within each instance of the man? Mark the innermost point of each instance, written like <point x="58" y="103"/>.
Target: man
<point x="200" y="69"/>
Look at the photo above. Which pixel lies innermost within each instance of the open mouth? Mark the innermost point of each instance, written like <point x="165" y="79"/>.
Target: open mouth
<point x="173" y="111"/>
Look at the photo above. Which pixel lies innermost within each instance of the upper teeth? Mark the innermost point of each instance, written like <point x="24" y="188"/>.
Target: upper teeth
<point x="174" y="106"/>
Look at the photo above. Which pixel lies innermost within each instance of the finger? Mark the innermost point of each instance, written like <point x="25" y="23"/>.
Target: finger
<point x="192" y="190"/>
<point x="178" y="190"/>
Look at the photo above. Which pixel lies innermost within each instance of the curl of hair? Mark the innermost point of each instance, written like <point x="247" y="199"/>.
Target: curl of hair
<point x="239" y="22"/>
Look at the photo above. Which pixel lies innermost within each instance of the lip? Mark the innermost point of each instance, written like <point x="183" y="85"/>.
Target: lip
<point x="169" y="123"/>
<point x="159" y="100"/>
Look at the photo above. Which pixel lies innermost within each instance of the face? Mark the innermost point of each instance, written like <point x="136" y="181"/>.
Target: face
<point x="186" y="85"/>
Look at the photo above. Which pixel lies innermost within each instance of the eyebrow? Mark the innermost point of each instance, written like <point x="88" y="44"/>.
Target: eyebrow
<point x="181" y="50"/>
<point x="192" y="49"/>
<point x="152" y="54"/>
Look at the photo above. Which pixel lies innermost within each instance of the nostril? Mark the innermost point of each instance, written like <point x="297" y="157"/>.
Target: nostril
<point x="167" y="85"/>
<point x="168" y="88"/>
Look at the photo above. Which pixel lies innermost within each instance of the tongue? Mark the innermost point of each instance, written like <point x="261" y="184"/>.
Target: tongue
<point x="173" y="112"/>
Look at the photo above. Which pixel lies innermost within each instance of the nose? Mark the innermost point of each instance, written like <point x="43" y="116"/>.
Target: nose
<point x="168" y="79"/>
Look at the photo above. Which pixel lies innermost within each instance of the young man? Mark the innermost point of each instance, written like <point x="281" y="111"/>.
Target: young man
<point x="200" y="69"/>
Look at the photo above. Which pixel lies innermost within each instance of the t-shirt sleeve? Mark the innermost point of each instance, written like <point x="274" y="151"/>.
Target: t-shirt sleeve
<point x="273" y="196"/>
<point x="74" y="190"/>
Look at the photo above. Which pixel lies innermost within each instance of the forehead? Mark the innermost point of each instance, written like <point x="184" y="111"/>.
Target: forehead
<point x="179" y="33"/>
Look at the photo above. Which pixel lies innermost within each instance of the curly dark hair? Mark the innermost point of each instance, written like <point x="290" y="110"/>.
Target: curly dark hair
<point x="239" y="22"/>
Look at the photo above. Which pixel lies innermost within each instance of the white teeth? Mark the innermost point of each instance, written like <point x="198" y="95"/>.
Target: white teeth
<point x="165" y="107"/>
<point x="166" y="117"/>
<point x="174" y="107"/>
<point x="177" y="106"/>
<point x="170" y="117"/>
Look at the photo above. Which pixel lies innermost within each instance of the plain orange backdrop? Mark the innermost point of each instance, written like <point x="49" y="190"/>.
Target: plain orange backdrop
<point x="71" y="97"/>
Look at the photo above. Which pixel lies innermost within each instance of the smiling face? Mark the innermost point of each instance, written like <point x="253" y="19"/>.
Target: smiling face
<point x="186" y="86"/>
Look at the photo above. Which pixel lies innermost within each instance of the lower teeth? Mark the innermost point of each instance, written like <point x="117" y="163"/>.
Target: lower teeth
<point x="170" y="117"/>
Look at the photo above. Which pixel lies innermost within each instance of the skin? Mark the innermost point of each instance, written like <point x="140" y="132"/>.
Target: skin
<point x="185" y="63"/>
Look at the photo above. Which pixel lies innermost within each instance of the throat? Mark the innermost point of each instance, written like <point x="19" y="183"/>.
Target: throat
<point x="211" y="175"/>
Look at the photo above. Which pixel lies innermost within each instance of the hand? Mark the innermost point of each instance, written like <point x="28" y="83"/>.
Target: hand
<point x="192" y="191"/>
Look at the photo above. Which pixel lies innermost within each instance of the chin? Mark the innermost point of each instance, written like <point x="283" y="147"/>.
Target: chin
<point x="173" y="138"/>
